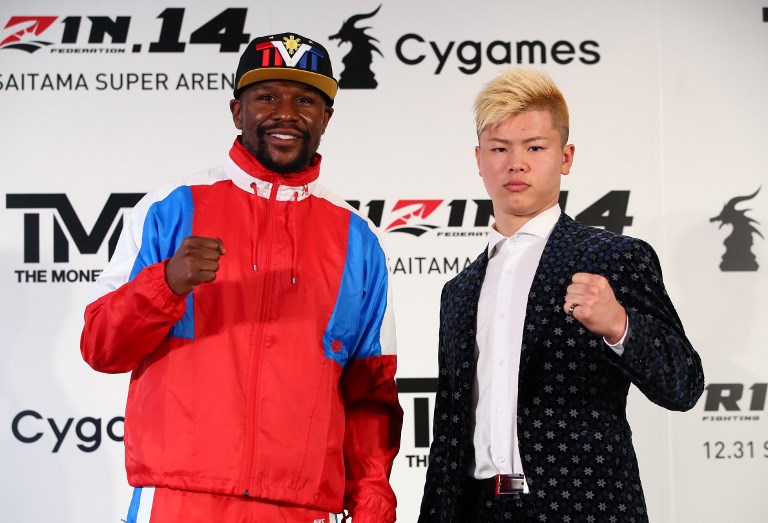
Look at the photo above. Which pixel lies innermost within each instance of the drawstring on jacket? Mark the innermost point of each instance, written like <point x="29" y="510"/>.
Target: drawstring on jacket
<point x="254" y="237"/>
<point x="253" y="202"/>
<point x="294" y="239"/>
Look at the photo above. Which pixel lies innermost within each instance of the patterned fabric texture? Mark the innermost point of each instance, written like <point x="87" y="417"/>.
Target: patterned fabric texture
<point x="575" y="441"/>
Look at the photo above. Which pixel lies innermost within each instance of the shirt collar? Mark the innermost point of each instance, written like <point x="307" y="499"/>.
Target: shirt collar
<point x="540" y="226"/>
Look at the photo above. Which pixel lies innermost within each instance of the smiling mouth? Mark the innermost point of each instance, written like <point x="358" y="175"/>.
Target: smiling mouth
<point x="284" y="136"/>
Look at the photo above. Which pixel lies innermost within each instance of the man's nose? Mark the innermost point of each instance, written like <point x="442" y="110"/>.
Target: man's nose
<point x="517" y="164"/>
<point x="285" y="109"/>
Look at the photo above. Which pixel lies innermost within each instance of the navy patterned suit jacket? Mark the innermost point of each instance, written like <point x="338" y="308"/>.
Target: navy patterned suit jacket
<point x="575" y="442"/>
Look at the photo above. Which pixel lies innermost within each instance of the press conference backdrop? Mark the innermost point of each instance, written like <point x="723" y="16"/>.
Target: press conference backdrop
<point x="101" y="101"/>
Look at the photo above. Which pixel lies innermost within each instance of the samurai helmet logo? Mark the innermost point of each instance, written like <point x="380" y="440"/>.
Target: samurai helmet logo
<point x="357" y="72"/>
<point x="738" y="245"/>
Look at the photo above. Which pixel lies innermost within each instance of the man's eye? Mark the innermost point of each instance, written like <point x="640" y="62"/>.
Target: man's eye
<point x="266" y="97"/>
<point x="536" y="148"/>
<point x="305" y="100"/>
<point x="499" y="149"/>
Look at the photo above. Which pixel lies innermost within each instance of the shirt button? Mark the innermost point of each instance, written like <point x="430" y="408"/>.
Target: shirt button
<point x="500" y="459"/>
<point x="513" y="241"/>
<point x="501" y="363"/>
<point x="502" y="316"/>
<point x="499" y="410"/>
<point x="508" y="271"/>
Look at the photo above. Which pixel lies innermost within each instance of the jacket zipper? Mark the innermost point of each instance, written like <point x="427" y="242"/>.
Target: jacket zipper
<point x="256" y="343"/>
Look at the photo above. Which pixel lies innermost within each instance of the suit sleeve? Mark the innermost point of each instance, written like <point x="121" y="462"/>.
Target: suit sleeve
<point x="438" y="452"/>
<point x="373" y="414"/>
<point x="133" y="308"/>
<point x="658" y="357"/>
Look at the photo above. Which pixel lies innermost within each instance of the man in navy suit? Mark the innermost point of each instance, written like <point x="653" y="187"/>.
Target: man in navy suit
<point x="541" y="337"/>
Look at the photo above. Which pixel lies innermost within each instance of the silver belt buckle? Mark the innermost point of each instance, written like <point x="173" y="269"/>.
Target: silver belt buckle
<point x="509" y="484"/>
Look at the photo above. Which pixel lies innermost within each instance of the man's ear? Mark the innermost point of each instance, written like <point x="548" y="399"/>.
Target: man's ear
<point x="568" y="151"/>
<point x="234" y="106"/>
<point x="327" y="116"/>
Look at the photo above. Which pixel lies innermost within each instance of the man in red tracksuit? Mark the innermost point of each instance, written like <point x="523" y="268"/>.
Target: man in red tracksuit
<point x="251" y="306"/>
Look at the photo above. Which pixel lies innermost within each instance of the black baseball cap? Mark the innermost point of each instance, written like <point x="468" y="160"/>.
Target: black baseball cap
<point x="286" y="56"/>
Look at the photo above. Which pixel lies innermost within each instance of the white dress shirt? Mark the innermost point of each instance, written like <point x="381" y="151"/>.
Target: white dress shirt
<point x="501" y="309"/>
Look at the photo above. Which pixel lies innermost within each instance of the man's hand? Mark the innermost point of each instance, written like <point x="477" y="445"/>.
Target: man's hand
<point x="590" y="300"/>
<point x="195" y="261"/>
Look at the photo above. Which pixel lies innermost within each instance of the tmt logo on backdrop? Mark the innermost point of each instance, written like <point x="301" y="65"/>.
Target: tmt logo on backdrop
<point x="422" y="392"/>
<point x="66" y="226"/>
<point x="65" y="218"/>
<point x="357" y="72"/>
<point x="738" y="245"/>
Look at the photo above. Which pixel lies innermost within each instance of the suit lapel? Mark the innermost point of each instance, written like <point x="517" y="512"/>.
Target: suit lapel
<point x="553" y="275"/>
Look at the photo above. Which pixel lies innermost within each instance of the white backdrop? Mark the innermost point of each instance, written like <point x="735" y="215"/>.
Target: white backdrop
<point x="669" y="118"/>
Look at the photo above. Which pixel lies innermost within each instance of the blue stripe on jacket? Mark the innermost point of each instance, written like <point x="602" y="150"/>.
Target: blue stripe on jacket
<point x="167" y="223"/>
<point x="354" y="328"/>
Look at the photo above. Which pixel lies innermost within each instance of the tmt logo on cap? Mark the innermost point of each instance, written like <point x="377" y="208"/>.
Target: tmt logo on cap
<point x="291" y="51"/>
<point x="286" y="56"/>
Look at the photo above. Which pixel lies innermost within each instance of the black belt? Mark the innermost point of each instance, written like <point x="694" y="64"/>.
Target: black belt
<point x="503" y="484"/>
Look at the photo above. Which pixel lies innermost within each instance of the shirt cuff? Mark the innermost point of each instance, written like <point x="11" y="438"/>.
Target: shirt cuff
<point x="618" y="347"/>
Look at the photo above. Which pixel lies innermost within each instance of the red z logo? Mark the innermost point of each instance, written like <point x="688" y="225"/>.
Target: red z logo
<point x="33" y="25"/>
<point x="417" y="209"/>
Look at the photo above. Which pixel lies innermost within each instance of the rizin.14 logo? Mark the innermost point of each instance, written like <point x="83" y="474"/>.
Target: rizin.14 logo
<point x="32" y="33"/>
<point x="450" y="217"/>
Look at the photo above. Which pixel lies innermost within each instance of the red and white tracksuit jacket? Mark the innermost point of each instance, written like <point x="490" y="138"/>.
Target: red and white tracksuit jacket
<point x="276" y="380"/>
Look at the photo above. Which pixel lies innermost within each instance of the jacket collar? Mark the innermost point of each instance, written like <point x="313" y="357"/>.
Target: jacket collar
<point x="245" y="171"/>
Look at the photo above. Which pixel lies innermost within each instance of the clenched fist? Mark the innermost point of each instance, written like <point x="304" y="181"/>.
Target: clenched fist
<point x="590" y="299"/>
<point x="194" y="262"/>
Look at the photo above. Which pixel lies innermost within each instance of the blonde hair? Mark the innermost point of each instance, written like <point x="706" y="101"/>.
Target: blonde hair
<point x="518" y="90"/>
